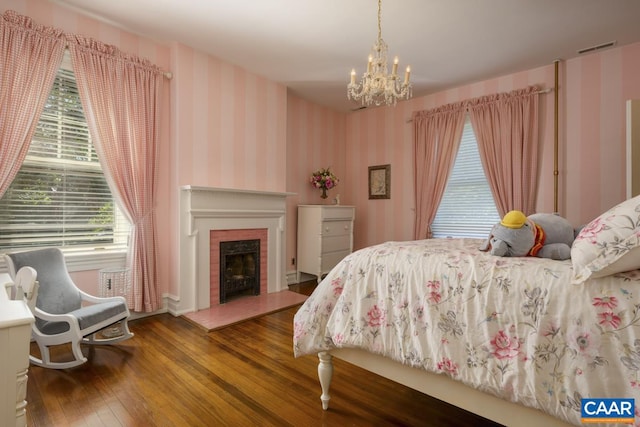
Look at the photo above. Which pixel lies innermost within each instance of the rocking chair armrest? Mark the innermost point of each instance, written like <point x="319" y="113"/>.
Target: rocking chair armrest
<point x="96" y="300"/>
<point x="71" y="320"/>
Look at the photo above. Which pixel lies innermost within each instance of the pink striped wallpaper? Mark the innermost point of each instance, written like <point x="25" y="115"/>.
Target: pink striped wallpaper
<point x="597" y="87"/>
<point x="316" y="138"/>
<point x="226" y="127"/>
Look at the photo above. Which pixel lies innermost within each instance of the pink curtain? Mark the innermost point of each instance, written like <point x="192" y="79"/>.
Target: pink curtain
<point x="121" y="98"/>
<point x="30" y="56"/>
<point x="506" y="128"/>
<point x="436" y="137"/>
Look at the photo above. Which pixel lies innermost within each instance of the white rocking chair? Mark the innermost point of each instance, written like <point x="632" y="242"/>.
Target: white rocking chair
<point x="65" y="314"/>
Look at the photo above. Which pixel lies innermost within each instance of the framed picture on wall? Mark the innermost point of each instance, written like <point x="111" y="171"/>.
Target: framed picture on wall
<point x="380" y="182"/>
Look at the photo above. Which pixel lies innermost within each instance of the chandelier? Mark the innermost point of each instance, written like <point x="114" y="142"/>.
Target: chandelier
<point x="377" y="86"/>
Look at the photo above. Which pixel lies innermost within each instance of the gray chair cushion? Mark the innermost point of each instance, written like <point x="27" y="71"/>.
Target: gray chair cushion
<point x="87" y="316"/>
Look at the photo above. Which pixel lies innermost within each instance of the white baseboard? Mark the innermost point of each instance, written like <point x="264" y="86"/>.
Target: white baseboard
<point x="292" y="277"/>
<point x="172" y="303"/>
<point x="140" y="314"/>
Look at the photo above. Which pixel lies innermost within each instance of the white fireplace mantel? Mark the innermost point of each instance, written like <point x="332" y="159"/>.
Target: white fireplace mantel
<point x="203" y="209"/>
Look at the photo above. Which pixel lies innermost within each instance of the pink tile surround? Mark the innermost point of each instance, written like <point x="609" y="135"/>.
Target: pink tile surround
<point x="241" y="307"/>
<point x="244" y="308"/>
<point x="217" y="236"/>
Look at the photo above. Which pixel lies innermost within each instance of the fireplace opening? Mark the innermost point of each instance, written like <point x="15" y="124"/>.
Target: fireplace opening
<point x="239" y="268"/>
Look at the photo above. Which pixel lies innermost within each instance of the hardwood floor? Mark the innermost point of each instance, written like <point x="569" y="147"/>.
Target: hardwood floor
<point x="172" y="373"/>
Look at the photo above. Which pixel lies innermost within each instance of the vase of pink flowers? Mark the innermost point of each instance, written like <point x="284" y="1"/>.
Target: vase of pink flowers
<point x="325" y="180"/>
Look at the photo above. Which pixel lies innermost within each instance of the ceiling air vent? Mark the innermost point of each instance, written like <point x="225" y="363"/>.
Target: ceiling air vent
<point x="598" y="47"/>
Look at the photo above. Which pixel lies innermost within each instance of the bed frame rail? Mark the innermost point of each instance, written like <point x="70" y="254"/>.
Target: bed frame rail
<point x="438" y="386"/>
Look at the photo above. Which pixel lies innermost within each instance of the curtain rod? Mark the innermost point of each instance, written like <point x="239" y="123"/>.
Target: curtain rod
<point x="541" y="91"/>
<point x="166" y="74"/>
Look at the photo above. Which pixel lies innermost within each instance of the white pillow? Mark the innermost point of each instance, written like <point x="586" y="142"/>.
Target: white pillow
<point x="609" y="244"/>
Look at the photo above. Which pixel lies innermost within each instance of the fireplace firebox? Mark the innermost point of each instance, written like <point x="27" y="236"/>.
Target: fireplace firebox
<point x="239" y="268"/>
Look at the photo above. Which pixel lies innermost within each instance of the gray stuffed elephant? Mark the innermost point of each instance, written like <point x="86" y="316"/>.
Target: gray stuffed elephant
<point x="542" y="234"/>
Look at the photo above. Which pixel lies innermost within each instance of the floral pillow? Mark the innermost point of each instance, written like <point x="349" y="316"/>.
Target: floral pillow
<point x="609" y="244"/>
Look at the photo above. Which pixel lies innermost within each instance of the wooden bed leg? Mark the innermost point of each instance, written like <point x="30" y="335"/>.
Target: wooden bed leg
<point x="325" y="372"/>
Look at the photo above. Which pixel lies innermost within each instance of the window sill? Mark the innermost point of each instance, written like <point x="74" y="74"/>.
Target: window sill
<point x="95" y="260"/>
<point x="88" y="260"/>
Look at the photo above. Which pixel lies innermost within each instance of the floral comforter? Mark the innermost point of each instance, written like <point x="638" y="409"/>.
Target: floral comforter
<point x="512" y="327"/>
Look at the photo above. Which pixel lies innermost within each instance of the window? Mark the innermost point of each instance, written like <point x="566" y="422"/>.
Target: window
<point x="467" y="208"/>
<point x="60" y="196"/>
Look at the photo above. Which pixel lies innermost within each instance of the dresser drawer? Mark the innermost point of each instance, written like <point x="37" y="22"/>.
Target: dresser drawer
<point x="330" y="260"/>
<point x="335" y="228"/>
<point x="336" y="213"/>
<point x="336" y="243"/>
<point x="325" y="237"/>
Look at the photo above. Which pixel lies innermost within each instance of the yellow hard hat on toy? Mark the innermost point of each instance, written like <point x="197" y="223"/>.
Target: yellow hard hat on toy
<point x="514" y="219"/>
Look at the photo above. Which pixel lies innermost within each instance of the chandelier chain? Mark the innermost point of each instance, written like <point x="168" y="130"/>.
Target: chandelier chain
<point x="379" y="19"/>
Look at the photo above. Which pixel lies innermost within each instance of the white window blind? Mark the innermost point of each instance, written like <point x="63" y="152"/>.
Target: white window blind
<point x="60" y="196"/>
<point x="467" y="208"/>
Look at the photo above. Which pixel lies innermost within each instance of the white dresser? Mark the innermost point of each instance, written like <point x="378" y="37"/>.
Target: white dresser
<point x="15" y="334"/>
<point x="325" y="236"/>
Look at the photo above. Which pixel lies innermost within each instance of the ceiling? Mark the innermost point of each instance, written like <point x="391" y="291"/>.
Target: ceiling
<point x="311" y="46"/>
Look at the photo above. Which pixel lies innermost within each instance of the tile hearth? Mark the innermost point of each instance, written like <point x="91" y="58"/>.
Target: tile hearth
<point x="244" y="308"/>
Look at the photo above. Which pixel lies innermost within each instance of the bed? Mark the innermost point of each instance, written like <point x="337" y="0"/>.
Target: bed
<point x="506" y="338"/>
